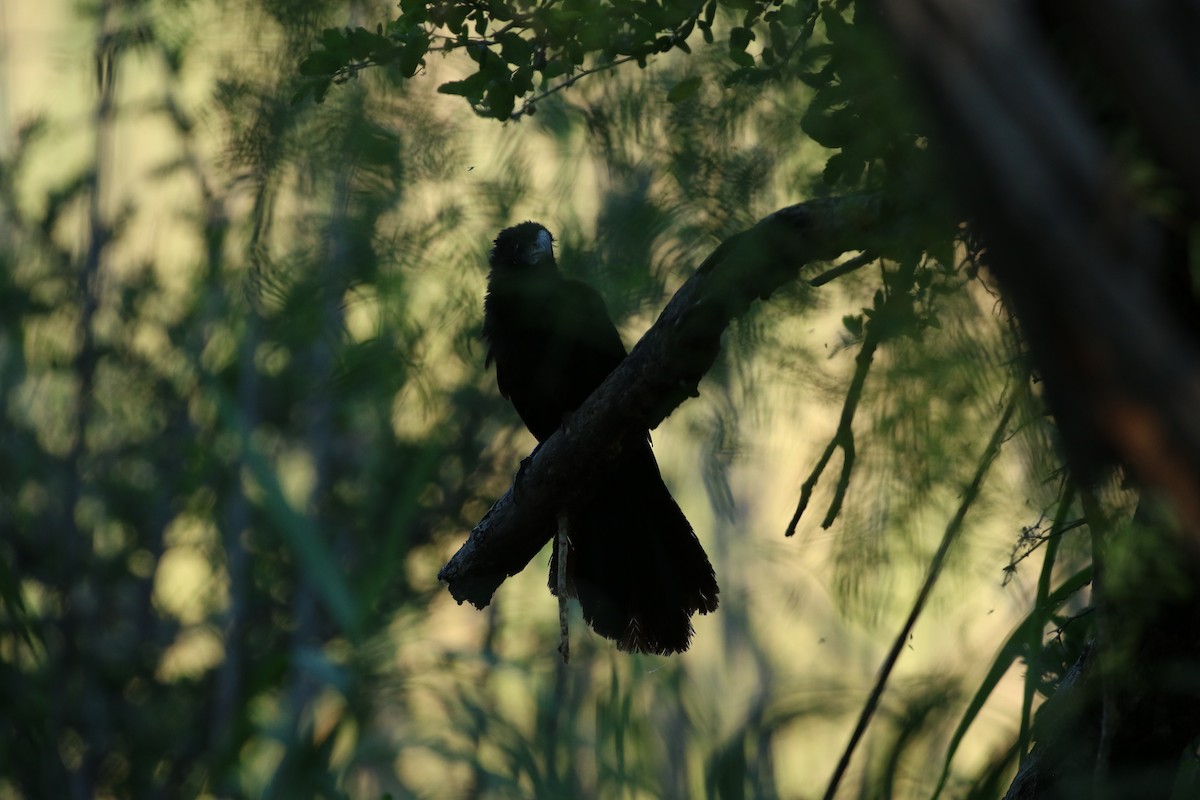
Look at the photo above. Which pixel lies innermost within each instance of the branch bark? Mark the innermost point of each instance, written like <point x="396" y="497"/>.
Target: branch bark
<point x="662" y="371"/>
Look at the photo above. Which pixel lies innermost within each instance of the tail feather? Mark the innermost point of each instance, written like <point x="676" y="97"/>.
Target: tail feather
<point x="634" y="562"/>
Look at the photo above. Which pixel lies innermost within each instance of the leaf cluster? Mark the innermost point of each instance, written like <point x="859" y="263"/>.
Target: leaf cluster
<point x="524" y="52"/>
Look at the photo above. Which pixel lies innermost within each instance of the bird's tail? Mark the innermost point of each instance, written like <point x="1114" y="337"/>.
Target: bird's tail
<point x="634" y="562"/>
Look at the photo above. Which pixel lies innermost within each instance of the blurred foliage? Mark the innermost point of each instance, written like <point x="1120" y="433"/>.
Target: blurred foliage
<point x="233" y="463"/>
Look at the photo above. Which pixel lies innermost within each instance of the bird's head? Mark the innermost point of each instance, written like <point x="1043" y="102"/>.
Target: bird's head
<point x="524" y="247"/>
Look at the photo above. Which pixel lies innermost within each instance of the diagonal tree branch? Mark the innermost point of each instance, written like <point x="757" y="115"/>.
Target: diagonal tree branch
<point x="662" y="371"/>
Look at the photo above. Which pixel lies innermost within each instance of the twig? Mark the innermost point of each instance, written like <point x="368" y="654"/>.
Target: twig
<point x="845" y="268"/>
<point x="935" y="569"/>
<point x="561" y="543"/>
<point x="677" y="35"/>
<point x="532" y="102"/>
<point x="843" y="437"/>
<point x="877" y="332"/>
<point x="1109" y="714"/>
<point x="1035" y="645"/>
<point x="1057" y="634"/>
<point x="1038" y="540"/>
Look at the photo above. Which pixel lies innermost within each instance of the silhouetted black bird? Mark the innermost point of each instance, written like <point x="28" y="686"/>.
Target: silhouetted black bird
<point x="633" y="561"/>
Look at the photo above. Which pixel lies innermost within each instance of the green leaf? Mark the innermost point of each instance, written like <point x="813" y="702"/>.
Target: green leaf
<point x="522" y="81"/>
<point x="747" y="75"/>
<point x="835" y="26"/>
<point x="742" y="59"/>
<point x="454" y="18"/>
<point x="363" y="43"/>
<point x="316" y="87"/>
<point x="334" y="40"/>
<point x="322" y="62"/>
<point x="501" y="99"/>
<point x="514" y="49"/>
<point x="500" y="11"/>
<point x="684" y="89"/>
<point x="842" y="168"/>
<point x="470" y="88"/>
<point x="740" y="38"/>
<point x="414" y="10"/>
<point x="790" y="16"/>
<point x="412" y="57"/>
<point x="779" y="41"/>
<point x="556" y="67"/>
<point x="561" y="17"/>
<point x="832" y="128"/>
<point x="1008" y="654"/>
<point x="461" y="88"/>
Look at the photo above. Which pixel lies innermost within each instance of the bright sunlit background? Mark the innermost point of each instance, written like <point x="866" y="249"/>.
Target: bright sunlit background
<point x="246" y="420"/>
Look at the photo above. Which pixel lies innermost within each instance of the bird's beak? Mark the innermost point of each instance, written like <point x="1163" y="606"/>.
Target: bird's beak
<point x="543" y="248"/>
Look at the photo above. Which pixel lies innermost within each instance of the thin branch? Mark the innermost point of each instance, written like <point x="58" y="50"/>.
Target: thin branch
<point x="561" y="544"/>
<point x="935" y="569"/>
<point x="1038" y="539"/>
<point x="843" y="437"/>
<point x="806" y="488"/>
<point x="532" y="102"/>
<point x="1034" y="671"/>
<point x="677" y="36"/>
<point x="877" y="332"/>
<point x="845" y="268"/>
<point x="1110" y="716"/>
<point x="345" y="73"/>
<point x="1056" y="634"/>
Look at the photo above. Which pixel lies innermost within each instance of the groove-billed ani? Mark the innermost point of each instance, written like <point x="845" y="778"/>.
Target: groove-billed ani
<point x="633" y="561"/>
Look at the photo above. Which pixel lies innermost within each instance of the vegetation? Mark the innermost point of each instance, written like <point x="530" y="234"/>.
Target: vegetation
<point x="246" y="419"/>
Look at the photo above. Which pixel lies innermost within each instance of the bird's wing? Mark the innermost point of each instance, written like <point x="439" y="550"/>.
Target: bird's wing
<point x="552" y="347"/>
<point x="585" y="322"/>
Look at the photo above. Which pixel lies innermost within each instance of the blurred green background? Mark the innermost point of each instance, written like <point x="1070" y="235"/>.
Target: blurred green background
<point x="244" y="420"/>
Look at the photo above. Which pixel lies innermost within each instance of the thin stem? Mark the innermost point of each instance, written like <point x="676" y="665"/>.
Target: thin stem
<point x="843" y="437"/>
<point x="844" y="268"/>
<point x="935" y="569"/>
<point x="1109" y="714"/>
<point x="1033" y="663"/>
<point x="569" y="82"/>
<point x="561" y="543"/>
